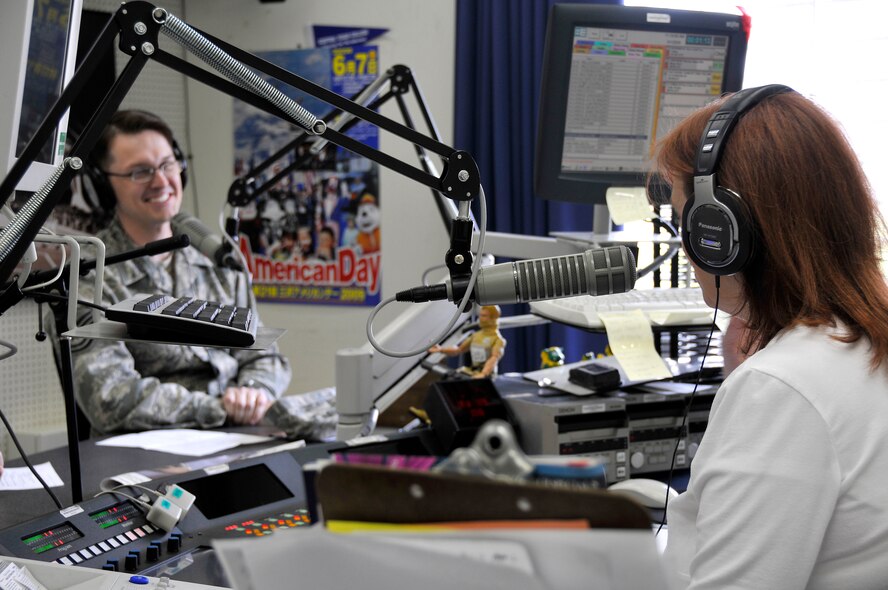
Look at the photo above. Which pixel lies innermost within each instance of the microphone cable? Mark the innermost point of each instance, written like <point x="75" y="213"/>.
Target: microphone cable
<point x="670" y="253"/>
<point x="476" y="267"/>
<point x="687" y="411"/>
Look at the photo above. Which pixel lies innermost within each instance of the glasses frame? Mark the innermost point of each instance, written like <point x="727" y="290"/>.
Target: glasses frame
<point x="164" y="168"/>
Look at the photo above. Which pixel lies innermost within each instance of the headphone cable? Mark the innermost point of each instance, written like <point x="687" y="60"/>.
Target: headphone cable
<point x="687" y="411"/>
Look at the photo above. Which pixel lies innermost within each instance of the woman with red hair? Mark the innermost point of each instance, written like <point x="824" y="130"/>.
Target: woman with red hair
<point x="789" y="487"/>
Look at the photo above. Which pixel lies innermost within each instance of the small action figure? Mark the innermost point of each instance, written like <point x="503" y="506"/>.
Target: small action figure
<point x="551" y="357"/>
<point x="486" y="346"/>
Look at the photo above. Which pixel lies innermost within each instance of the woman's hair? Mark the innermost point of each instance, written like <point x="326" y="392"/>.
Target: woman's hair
<point x="129" y="122"/>
<point x="816" y="226"/>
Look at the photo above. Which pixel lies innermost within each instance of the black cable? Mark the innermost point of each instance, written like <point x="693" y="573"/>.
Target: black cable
<point x="12" y="349"/>
<point x="671" y="251"/>
<point x="28" y="461"/>
<point x="37" y="294"/>
<point x="687" y="411"/>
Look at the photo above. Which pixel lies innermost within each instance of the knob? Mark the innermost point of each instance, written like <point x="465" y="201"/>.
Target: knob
<point x="109" y="568"/>
<point x="174" y="543"/>
<point x="113" y="564"/>
<point x="152" y="553"/>
<point x="637" y="460"/>
<point x="131" y="562"/>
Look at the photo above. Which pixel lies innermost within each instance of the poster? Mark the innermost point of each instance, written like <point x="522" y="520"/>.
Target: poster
<point x="314" y="237"/>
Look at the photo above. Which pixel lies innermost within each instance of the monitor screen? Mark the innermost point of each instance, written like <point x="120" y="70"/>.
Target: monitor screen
<point x="41" y="43"/>
<point x="615" y="79"/>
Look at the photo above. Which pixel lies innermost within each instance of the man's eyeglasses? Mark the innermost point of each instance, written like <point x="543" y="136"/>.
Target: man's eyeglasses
<point x="145" y="174"/>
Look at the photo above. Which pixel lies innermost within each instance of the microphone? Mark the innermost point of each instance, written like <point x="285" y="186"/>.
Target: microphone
<point x="210" y="244"/>
<point x="599" y="271"/>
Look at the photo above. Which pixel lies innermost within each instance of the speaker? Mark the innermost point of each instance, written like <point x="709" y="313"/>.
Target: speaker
<point x="717" y="228"/>
<point x="101" y="194"/>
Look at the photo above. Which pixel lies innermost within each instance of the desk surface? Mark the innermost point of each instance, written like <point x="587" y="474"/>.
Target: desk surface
<point x="97" y="463"/>
<point x="100" y="462"/>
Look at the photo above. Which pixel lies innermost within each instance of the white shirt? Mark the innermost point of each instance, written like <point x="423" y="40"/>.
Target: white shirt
<point x="789" y="488"/>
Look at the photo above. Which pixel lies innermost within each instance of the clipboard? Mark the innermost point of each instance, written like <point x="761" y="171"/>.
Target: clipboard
<point x="367" y="493"/>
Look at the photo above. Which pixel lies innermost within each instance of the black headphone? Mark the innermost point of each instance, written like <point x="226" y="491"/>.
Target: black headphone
<point x="101" y="194"/>
<point x="717" y="229"/>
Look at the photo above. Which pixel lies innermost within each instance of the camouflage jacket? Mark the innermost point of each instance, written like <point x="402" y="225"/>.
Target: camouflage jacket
<point x="134" y="385"/>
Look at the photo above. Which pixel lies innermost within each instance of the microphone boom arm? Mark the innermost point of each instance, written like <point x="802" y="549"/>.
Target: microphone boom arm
<point x="138" y="23"/>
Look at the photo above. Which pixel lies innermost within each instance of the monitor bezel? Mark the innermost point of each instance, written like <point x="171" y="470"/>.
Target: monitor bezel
<point x="550" y="182"/>
<point x="13" y="66"/>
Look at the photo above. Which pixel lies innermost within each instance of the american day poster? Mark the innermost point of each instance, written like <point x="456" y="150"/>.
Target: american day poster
<point x="314" y="237"/>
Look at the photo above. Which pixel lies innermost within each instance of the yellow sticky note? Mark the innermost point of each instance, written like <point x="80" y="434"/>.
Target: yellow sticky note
<point x="627" y="204"/>
<point x="631" y="339"/>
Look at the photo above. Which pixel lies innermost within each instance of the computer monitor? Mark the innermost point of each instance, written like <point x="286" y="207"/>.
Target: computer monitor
<point x="40" y="46"/>
<point x="617" y="78"/>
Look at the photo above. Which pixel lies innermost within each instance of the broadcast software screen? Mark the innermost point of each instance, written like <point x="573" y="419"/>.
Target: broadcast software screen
<point x="615" y="79"/>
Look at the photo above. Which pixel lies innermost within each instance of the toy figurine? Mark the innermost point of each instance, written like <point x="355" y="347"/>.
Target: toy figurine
<point x="551" y="357"/>
<point x="486" y="346"/>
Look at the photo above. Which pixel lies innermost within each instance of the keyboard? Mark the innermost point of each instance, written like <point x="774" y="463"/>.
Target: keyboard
<point x="663" y="307"/>
<point x="185" y="320"/>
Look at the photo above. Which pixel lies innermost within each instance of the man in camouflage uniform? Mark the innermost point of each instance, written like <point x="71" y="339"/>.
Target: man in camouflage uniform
<point x="136" y="385"/>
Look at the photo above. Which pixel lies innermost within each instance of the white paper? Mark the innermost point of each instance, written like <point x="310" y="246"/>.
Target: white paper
<point x="627" y="204"/>
<point x="14" y="577"/>
<point x="184" y="441"/>
<point x="606" y="559"/>
<point x="21" y="478"/>
<point x="503" y="553"/>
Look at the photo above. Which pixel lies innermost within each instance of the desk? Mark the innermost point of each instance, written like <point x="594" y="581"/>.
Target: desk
<point x="86" y="526"/>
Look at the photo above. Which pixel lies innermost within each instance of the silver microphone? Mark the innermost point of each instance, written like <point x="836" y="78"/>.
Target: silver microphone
<point x="210" y="244"/>
<point x="599" y="271"/>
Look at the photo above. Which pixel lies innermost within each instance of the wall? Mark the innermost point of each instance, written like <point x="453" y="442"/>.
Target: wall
<point x="421" y="36"/>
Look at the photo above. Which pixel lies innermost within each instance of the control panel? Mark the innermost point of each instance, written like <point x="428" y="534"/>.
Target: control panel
<point x="636" y="429"/>
<point x="660" y="423"/>
<point x="250" y="498"/>
<point x="557" y="423"/>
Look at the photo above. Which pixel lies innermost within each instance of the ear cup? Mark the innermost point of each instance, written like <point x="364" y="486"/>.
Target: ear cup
<point x="179" y="155"/>
<point x="717" y="233"/>
<point x="98" y="190"/>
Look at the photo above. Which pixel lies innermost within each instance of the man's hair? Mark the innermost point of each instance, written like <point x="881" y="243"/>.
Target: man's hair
<point x="816" y="223"/>
<point x="128" y="122"/>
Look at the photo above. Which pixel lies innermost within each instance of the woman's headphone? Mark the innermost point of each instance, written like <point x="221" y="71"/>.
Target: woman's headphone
<point x="717" y="228"/>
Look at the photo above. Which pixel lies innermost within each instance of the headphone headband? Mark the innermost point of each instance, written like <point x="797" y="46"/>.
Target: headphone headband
<point x="719" y="127"/>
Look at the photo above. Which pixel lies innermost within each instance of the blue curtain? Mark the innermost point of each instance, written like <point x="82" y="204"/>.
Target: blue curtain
<point x="499" y="52"/>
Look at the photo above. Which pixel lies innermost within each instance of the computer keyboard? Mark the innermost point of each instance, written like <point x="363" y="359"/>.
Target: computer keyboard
<point x="664" y="307"/>
<point x="186" y="320"/>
